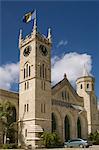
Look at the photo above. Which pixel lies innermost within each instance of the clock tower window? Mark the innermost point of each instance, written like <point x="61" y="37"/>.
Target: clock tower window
<point x="27" y="70"/>
<point x="43" y="70"/>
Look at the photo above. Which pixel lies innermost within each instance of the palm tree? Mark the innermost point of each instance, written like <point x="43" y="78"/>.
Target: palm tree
<point x="7" y="120"/>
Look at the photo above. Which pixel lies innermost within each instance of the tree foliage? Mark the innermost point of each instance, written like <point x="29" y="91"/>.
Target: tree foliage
<point x="7" y="120"/>
<point x="50" y="139"/>
<point x="94" y="137"/>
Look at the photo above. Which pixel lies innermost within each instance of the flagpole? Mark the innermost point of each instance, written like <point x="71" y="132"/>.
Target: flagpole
<point x="35" y="22"/>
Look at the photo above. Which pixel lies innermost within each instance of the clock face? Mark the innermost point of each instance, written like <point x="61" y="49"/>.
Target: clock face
<point x="27" y="51"/>
<point x="43" y="50"/>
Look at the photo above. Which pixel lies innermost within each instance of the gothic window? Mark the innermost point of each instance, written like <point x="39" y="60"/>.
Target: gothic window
<point x="81" y="86"/>
<point x="67" y="128"/>
<point x="44" y="85"/>
<point x="14" y="114"/>
<point x="65" y="94"/>
<point x="40" y="71"/>
<point x="24" y="73"/>
<point x="54" y="124"/>
<point x="43" y="70"/>
<point x="29" y="71"/>
<point x="25" y="132"/>
<point x="62" y="95"/>
<point x="87" y="85"/>
<point x="25" y="86"/>
<point x="27" y="107"/>
<point x="78" y="128"/>
<point x="45" y="74"/>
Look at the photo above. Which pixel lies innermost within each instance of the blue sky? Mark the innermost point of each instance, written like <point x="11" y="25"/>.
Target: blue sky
<point x="74" y="24"/>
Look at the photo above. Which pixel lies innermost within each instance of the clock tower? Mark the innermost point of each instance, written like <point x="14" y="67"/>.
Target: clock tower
<point x="35" y="85"/>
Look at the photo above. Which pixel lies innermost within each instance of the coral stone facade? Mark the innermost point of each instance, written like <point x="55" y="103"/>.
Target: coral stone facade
<point x="41" y="107"/>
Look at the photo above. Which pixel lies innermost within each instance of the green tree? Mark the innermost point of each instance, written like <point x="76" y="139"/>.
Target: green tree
<point x="8" y="121"/>
<point x="50" y="139"/>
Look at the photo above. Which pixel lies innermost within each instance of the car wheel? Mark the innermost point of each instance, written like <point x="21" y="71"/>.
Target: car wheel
<point x="81" y="146"/>
<point x="65" y="146"/>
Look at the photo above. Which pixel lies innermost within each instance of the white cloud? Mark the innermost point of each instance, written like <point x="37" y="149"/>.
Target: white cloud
<point x="62" y="43"/>
<point x="9" y="74"/>
<point x="72" y="64"/>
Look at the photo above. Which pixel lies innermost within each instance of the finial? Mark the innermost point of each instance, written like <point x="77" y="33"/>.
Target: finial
<point x="85" y="72"/>
<point x="49" y="35"/>
<point x="20" y="37"/>
<point x="65" y="75"/>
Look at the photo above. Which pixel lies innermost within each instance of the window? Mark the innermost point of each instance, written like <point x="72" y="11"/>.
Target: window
<point x="65" y="94"/>
<point x="62" y="95"/>
<point x="27" y="107"/>
<point x="45" y="74"/>
<point x="44" y="85"/>
<point x="81" y="86"/>
<point x="25" y="86"/>
<point x="40" y="71"/>
<point x="24" y="73"/>
<point x="87" y="85"/>
<point x="43" y="70"/>
<point x="29" y="71"/>
<point x="25" y="132"/>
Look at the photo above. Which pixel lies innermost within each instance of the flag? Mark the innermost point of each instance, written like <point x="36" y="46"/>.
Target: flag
<point x="29" y="16"/>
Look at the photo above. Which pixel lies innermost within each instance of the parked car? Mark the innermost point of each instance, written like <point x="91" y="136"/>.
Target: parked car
<point x="76" y="143"/>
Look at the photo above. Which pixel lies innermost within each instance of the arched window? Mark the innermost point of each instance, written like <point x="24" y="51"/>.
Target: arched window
<point x="26" y="70"/>
<point x="67" y="128"/>
<point x="27" y="107"/>
<point x="43" y="70"/>
<point x="27" y="84"/>
<point x="87" y="85"/>
<point x="54" y="124"/>
<point x="45" y="74"/>
<point x="24" y="73"/>
<point x="81" y="86"/>
<point x="40" y="71"/>
<point x="25" y="132"/>
<point x="29" y="71"/>
<point x="78" y="128"/>
<point x="13" y="114"/>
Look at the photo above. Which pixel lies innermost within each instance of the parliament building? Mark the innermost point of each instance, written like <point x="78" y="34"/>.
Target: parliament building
<point x="42" y="107"/>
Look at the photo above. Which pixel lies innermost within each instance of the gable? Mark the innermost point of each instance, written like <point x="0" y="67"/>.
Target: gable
<point x="64" y="91"/>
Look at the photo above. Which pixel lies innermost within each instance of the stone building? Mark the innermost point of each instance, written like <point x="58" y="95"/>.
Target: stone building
<point x="60" y="108"/>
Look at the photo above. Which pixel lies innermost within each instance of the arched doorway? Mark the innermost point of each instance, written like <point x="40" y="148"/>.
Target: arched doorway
<point x="78" y="128"/>
<point x="67" y="128"/>
<point x="54" y="124"/>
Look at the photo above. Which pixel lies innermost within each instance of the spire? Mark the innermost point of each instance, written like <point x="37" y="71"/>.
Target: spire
<point x="49" y="35"/>
<point x="85" y="72"/>
<point x="20" y="37"/>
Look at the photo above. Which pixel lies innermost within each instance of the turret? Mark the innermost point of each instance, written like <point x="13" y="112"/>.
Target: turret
<point x="85" y="89"/>
<point x="85" y="83"/>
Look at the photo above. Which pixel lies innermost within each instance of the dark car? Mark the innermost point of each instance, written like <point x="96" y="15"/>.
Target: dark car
<point x="76" y="143"/>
